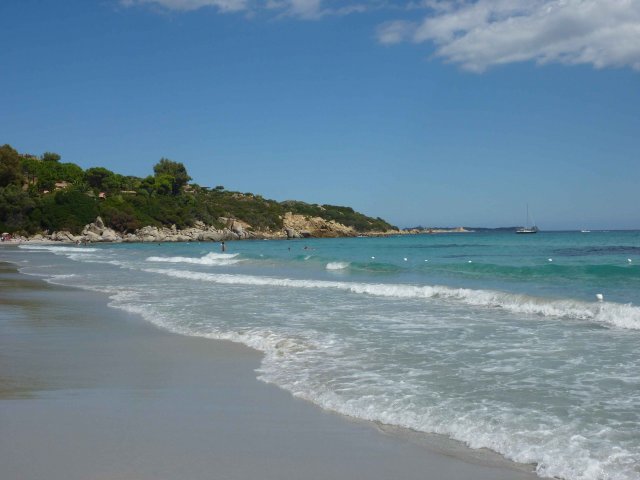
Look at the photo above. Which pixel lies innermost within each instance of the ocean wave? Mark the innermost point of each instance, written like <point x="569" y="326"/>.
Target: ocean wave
<point x="376" y="267"/>
<point x="273" y="345"/>
<point x="208" y="259"/>
<point x="62" y="276"/>
<point x="498" y="430"/>
<point x="554" y="448"/>
<point x="608" y="313"/>
<point x="599" y="250"/>
<point x="320" y="364"/>
<point x="622" y="272"/>
<point x="337" y="265"/>
<point x="56" y="248"/>
<point x="292" y="358"/>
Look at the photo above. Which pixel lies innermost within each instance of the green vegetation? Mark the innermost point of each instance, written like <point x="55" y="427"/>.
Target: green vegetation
<point x="44" y="194"/>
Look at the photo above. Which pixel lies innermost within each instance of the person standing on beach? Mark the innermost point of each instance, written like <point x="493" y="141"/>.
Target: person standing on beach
<point x="223" y="247"/>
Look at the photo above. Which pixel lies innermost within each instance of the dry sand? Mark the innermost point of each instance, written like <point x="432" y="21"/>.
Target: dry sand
<point x="91" y="393"/>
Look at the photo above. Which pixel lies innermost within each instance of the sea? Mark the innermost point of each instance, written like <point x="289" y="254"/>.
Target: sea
<point x="528" y="345"/>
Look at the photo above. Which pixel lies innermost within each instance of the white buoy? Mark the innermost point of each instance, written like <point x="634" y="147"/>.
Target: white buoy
<point x="629" y="260"/>
<point x="426" y="260"/>
<point x="599" y="297"/>
<point x="550" y="259"/>
<point x="405" y="259"/>
<point x="469" y="261"/>
<point x="373" y="258"/>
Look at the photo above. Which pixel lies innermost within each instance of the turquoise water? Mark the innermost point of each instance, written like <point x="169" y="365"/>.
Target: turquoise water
<point x="494" y="339"/>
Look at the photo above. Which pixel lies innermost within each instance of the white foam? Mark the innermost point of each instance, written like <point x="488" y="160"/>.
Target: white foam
<point x="63" y="276"/>
<point x="56" y="248"/>
<point x="619" y="315"/>
<point x="337" y="265"/>
<point x="274" y="345"/>
<point x="208" y="259"/>
<point x="309" y="364"/>
<point x="356" y="372"/>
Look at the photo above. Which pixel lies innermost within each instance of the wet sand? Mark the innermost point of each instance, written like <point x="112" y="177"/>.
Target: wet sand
<point x="91" y="393"/>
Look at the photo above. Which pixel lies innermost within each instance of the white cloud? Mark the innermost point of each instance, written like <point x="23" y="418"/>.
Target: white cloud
<point x="185" y="5"/>
<point x="303" y="9"/>
<point x="316" y="9"/>
<point x="483" y="33"/>
<point x="478" y="34"/>
<point x="396" y="31"/>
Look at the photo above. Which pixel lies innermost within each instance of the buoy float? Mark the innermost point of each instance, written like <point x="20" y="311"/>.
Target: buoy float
<point x="600" y="297"/>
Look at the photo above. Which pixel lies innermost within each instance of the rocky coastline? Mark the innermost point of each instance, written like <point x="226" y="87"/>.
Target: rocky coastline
<point x="294" y="226"/>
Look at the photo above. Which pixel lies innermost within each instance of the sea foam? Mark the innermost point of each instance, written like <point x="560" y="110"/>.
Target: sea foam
<point x="58" y="249"/>
<point x="208" y="259"/>
<point x="290" y="362"/>
<point x="609" y="313"/>
<point x="428" y="357"/>
<point x="337" y="265"/>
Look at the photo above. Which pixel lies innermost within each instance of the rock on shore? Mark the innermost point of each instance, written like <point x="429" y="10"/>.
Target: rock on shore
<point x="300" y="226"/>
<point x="294" y="226"/>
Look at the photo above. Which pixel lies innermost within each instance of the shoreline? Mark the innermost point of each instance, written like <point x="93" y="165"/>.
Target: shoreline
<point x="67" y="238"/>
<point x="294" y="228"/>
<point x="168" y="396"/>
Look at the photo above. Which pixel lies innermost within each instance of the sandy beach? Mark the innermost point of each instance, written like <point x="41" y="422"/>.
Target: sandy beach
<point x="89" y="392"/>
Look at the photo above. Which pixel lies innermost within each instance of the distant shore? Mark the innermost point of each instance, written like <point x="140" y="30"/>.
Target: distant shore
<point x="107" y="396"/>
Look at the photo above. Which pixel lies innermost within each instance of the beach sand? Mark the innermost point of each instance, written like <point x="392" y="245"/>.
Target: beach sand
<point x="92" y="393"/>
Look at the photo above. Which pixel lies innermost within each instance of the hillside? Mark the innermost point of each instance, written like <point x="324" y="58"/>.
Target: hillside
<point x="42" y="194"/>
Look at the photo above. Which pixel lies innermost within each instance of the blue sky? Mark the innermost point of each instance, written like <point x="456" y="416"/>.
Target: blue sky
<point x="422" y="112"/>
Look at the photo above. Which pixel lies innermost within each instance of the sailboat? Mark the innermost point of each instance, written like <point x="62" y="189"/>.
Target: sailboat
<point x="529" y="228"/>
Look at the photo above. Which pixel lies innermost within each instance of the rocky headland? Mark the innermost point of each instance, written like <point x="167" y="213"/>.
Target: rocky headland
<point x="294" y="226"/>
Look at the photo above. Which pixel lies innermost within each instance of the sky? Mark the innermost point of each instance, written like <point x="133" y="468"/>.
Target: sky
<point x="422" y="112"/>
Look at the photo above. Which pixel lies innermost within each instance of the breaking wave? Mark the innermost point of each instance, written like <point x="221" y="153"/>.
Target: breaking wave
<point x="208" y="259"/>
<point x="608" y="313"/>
<point x="337" y="265"/>
<point x="56" y="248"/>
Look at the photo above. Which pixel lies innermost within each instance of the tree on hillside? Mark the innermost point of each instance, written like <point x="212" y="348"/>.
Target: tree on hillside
<point x="97" y="177"/>
<point x="15" y="207"/>
<point x="70" y="172"/>
<point x="50" y="157"/>
<point x="174" y="172"/>
<point x="30" y="168"/>
<point x="68" y="209"/>
<point x="164" y="185"/>
<point x="10" y="169"/>
<point x="51" y="172"/>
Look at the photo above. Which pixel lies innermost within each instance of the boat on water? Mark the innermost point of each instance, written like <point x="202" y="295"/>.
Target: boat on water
<point x="529" y="227"/>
